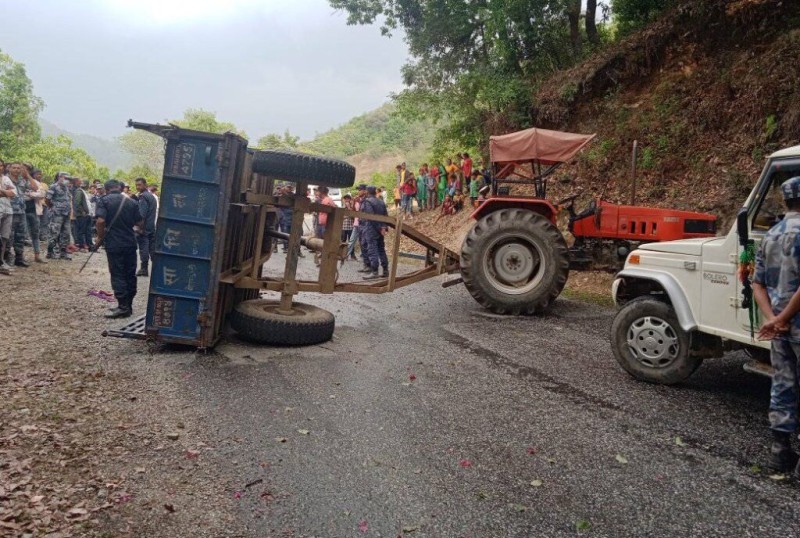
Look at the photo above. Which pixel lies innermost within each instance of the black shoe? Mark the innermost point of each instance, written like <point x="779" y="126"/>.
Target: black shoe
<point x="385" y="273"/>
<point x="119" y="313"/>
<point x="19" y="262"/>
<point x="50" y="256"/>
<point x="142" y="272"/>
<point x="65" y="256"/>
<point x="365" y="270"/>
<point x="781" y="456"/>
<point x="373" y="276"/>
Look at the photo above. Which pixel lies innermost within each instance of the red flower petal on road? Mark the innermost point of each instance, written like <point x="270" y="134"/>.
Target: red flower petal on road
<point x="465" y="463"/>
<point x="531" y="450"/>
<point x="362" y="525"/>
<point x="412" y="377"/>
<point x="237" y="494"/>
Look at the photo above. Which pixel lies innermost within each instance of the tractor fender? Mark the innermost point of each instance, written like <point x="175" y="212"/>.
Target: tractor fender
<point x="537" y="205"/>
<point x="631" y="283"/>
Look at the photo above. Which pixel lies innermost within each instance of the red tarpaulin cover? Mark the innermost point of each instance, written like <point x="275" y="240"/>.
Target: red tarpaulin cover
<point x="538" y="145"/>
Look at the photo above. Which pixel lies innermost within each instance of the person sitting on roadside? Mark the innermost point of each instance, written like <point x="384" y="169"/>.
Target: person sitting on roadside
<point x="458" y="202"/>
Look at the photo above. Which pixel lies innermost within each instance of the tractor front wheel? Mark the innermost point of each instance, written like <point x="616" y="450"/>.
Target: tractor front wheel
<point x="514" y="261"/>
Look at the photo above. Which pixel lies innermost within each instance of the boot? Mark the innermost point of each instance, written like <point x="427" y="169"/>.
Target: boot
<point x="51" y="255"/>
<point x="373" y="275"/>
<point x="365" y="269"/>
<point x="143" y="271"/>
<point x="119" y="312"/>
<point x="385" y="272"/>
<point x="19" y="261"/>
<point x="38" y="258"/>
<point x="66" y="256"/>
<point x="781" y="456"/>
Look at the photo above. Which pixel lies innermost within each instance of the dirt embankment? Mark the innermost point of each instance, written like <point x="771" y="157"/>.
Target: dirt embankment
<point x="708" y="92"/>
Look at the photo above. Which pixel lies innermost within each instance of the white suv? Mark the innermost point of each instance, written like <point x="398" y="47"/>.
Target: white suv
<point x="681" y="301"/>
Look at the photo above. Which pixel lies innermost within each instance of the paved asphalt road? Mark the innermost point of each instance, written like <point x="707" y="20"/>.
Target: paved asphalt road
<point x="494" y="405"/>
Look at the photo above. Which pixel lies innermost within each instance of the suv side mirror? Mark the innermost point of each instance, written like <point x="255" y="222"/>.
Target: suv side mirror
<point x="742" y="229"/>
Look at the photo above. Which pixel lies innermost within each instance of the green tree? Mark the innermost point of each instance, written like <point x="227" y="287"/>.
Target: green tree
<point x="148" y="149"/>
<point x="632" y="14"/>
<point x="53" y="155"/>
<point x="276" y="141"/>
<point x="19" y="107"/>
<point x="475" y="63"/>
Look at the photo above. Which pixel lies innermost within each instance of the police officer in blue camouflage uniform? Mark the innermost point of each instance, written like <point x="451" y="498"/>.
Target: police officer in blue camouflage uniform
<point x="59" y="200"/>
<point x="776" y="288"/>
<point x="373" y="234"/>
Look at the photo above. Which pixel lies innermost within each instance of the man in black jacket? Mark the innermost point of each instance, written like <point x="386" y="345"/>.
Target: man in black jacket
<point x="117" y="215"/>
<point x="146" y="235"/>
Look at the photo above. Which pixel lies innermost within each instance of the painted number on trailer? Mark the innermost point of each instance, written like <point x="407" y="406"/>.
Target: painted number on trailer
<point x="164" y="311"/>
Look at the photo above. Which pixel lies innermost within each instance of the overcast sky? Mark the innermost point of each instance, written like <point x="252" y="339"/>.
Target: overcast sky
<point x="265" y="65"/>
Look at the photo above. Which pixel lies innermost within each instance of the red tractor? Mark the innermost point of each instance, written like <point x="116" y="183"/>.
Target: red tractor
<point x="515" y="260"/>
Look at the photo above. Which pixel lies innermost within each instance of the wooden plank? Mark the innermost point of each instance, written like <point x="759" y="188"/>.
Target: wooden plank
<point x="330" y="250"/>
<point x="262" y="222"/>
<point x="395" y="253"/>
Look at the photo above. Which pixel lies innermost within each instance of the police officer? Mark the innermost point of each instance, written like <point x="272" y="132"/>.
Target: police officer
<point x="146" y="238"/>
<point x="116" y="215"/>
<point x="373" y="234"/>
<point x="19" y="226"/>
<point x="59" y="200"/>
<point x="358" y="230"/>
<point x="776" y="288"/>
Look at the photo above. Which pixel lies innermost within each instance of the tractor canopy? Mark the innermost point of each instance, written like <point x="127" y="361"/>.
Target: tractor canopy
<point x="540" y="146"/>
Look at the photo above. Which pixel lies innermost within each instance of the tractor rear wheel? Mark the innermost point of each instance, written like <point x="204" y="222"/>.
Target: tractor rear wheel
<point x="514" y="261"/>
<point x="295" y="166"/>
<point x="260" y="321"/>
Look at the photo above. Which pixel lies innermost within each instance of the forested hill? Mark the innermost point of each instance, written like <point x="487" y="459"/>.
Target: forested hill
<point x="376" y="141"/>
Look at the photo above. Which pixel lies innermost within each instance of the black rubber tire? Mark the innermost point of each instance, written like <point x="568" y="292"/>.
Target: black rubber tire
<point x="681" y="367"/>
<point x="295" y="166"/>
<point x="528" y="227"/>
<point x="257" y="321"/>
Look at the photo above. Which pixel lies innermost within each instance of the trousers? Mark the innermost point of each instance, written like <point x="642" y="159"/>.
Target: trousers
<point x="376" y="248"/>
<point x="784" y="393"/>
<point x="32" y="220"/>
<point x="84" y="236"/>
<point x="122" y="267"/>
<point x="147" y="244"/>
<point x="59" y="233"/>
<point x="19" y="232"/>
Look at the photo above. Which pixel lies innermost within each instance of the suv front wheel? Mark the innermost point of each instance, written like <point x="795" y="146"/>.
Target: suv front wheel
<point x="649" y="343"/>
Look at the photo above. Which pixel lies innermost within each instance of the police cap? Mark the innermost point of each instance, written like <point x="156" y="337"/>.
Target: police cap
<point x="791" y="188"/>
<point x="362" y="186"/>
<point x="371" y="189"/>
<point x="112" y="184"/>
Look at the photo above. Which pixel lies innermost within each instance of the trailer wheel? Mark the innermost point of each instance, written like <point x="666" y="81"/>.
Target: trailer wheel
<point x="259" y="321"/>
<point x="295" y="166"/>
<point x="649" y="343"/>
<point x="514" y="261"/>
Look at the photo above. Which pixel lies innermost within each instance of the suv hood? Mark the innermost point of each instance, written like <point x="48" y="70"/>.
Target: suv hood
<point x="692" y="247"/>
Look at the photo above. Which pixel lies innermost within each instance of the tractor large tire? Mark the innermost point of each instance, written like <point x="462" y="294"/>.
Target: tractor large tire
<point x="295" y="166"/>
<point x="259" y="321"/>
<point x="649" y="343"/>
<point x="514" y="261"/>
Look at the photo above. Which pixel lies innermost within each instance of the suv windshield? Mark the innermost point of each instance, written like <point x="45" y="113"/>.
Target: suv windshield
<point x="771" y="207"/>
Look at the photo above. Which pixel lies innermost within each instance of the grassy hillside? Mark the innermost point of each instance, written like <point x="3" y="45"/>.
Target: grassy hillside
<point x="708" y="91"/>
<point x="376" y="141"/>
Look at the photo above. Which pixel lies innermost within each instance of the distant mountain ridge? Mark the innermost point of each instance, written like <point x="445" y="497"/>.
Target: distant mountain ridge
<point x="108" y="153"/>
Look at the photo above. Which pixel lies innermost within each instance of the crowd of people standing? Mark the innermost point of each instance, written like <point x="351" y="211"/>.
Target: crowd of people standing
<point x="447" y="186"/>
<point x="68" y="216"/>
